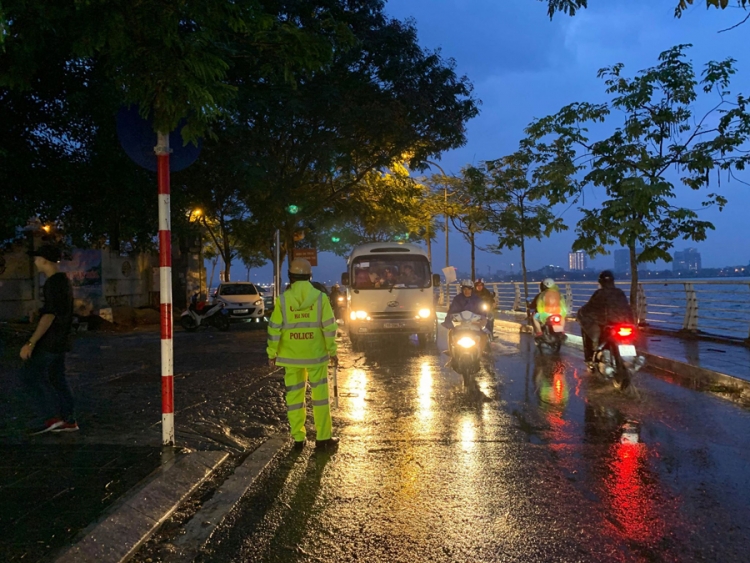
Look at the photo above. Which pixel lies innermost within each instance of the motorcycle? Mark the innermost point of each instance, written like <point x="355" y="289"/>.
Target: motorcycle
<point x="339" y="306"/>
<point x="488" y="310"/>
<point x="553" y="333"/>
<point x="467" y="341"/>
<point x="616" y="357"/>
<point x="200" y="314"/>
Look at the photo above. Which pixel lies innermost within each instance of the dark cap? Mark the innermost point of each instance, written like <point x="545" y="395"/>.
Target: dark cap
<point x="48" y="252"/>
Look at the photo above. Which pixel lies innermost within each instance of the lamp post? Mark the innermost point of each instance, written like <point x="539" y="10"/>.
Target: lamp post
<point x="197" y="213"/>
<point x="445" y="193"/>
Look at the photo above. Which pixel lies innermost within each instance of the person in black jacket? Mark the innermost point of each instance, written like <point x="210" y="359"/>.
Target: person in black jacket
<point x="608" y="305"/>
<point x="43" y="372"/>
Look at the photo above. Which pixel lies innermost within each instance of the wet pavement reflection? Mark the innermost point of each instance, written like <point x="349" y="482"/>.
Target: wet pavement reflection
<point x="530" y="460"/>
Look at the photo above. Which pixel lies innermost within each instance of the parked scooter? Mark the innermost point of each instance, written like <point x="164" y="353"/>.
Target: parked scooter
<point x="616" y="357"/>
<point x="200" y="314"/>
<point x="553" y="334"/>
<point x="467" y="341"/>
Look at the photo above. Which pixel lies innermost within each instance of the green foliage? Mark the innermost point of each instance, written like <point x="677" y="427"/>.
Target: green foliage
<point x="305" y="99"/>
<point x="312" y="144"/>
<point x="571" y="6"/>
<point x="171" y="58"/>
<point x="659" y="137"/>
<point x="385" y="206"/>
<point x="516" y="197"/>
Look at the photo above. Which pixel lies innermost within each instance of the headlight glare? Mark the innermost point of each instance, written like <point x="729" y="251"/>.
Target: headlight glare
<point x="466" y="342"/>
<point x="424" y="313"/>
<point x="360" y="314"/>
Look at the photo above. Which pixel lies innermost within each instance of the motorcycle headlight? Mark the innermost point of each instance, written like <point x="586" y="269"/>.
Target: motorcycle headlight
<point x="466" y="342"/>
<point x="424" y="313"/>
<point x="485" y="307"/>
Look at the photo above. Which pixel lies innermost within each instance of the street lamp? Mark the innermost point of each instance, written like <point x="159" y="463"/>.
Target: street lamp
<point x="197" y="214"/>
<point x="445" y="192"/>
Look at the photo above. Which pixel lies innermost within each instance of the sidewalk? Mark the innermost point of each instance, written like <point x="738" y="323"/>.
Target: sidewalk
<point x="50" y="492"/>
<point x="87" y="487"/>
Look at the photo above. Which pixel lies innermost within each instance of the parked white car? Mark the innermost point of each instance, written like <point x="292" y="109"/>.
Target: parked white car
<point x="241" y="299"/>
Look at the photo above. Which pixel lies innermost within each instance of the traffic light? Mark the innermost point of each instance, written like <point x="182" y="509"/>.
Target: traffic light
<point x="293" y="209"/>
<point x="335" y="239"/>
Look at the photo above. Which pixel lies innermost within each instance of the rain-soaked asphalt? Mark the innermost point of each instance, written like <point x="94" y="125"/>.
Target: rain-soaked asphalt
<point x="527" y="464"/>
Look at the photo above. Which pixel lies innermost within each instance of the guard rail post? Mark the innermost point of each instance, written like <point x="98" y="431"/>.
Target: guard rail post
<point x="641" y="306"/>
<point x="569" y="298"/>
<point x="690" y="323"/>
<point x="517" y="298"/>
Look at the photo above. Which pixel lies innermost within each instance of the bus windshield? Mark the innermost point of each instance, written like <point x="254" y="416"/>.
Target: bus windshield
<point x="388" y="271"/>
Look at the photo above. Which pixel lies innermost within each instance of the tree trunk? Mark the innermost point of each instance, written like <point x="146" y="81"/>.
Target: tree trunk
<point x="523" y="269"/>
<point x="428" y="240"/>
<point x="472" y="235"/>
<point x="227" y="251"/>
<point x="633" y="281"/>
<point x="213" y="269"/>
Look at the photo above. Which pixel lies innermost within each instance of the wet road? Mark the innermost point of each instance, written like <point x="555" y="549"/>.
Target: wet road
<point x="526" y="464"/>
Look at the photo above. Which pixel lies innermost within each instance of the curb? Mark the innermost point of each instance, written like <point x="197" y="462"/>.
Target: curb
<point x="116" y="538"/>
<point x="200" y="528"/>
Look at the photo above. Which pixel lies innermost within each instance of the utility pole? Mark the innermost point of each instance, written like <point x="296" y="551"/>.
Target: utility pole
<point x="445" y="193"/>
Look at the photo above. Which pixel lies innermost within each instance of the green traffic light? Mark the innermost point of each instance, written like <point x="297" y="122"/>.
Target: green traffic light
<point x="293" y="209"/>
<point x="335" y="239"/>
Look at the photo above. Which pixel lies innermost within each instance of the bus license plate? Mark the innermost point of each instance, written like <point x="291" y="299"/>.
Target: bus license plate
<point x="627" y="351"/>
<point x="393" y="325"/>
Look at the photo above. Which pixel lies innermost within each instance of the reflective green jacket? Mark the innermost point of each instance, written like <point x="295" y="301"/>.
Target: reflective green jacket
<point x="302" y="329"/>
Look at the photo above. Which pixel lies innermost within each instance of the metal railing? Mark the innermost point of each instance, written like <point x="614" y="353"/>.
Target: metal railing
<point x="714" y="307"/>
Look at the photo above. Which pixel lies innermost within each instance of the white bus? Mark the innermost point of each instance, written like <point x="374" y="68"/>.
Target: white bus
<point x="390" y="291"/>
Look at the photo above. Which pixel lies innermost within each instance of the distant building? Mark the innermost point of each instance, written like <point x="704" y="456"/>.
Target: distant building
<point x="622" y="259"/>
<point x="688" y="260"/>
<point x="576" y="261"/>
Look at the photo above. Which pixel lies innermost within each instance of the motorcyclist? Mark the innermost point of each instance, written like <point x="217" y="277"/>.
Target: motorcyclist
<point x="607" y="305"/>
<point x="548" y="302"/>
<point x="488" y="299"/>
<point x="464" y="301"/>
<point x="334" y="298"/>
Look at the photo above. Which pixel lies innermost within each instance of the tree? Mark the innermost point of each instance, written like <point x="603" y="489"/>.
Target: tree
<point x="659" y="133"/>
<point x="516" y="200"/>
<point x="385" y="206"/>
<point x="67" y="67"/>
<point x="311" y="145"/>
<point x="468" y="208"/>
<point x="571" y="6"/>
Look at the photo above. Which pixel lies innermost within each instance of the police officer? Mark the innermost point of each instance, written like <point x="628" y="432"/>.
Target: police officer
<point x="302" y="339"/>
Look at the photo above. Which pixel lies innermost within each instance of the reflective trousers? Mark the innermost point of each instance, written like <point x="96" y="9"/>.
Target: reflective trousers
<point x="295" y="380"/>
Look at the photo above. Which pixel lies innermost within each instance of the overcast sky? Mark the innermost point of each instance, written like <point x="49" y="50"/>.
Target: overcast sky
<point x="523" y="67"/>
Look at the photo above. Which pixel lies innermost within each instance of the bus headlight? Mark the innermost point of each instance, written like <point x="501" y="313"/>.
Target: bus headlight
<point x="425" y="313"/>
<point x="361" y="315"/>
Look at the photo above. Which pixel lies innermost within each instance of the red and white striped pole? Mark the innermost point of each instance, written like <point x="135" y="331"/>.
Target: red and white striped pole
<point x="165" y="291"/>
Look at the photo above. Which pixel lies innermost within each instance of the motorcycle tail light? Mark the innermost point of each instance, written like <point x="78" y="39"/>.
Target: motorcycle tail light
<point x="624" y="331"/>
<point x="555" y="319"/>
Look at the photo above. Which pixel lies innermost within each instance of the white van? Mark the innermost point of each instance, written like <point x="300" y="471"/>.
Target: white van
<point x="390" y="291"/>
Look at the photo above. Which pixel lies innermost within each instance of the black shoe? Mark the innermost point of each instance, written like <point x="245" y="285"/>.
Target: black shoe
<point x="329" y="445"/>
<point x="299" y="445"/>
